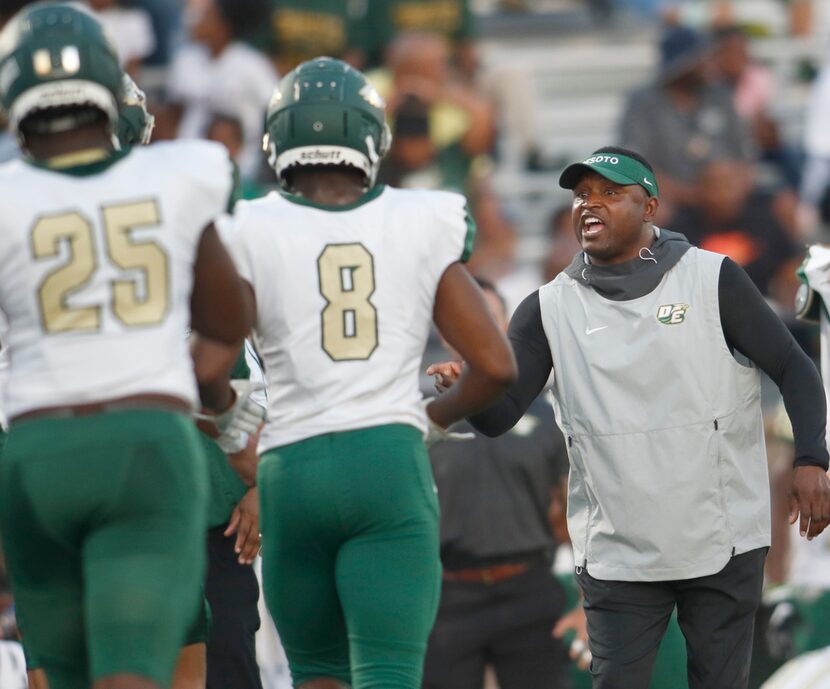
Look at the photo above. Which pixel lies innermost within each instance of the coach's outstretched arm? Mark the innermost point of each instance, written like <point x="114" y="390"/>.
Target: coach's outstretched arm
<point x="533" y="357"/>
<point x="462" y="316"/>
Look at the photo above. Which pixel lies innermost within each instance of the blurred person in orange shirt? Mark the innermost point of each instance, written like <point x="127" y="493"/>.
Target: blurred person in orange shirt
<point x="736" y="217"/>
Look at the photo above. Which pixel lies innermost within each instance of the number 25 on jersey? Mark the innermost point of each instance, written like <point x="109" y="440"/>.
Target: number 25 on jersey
<point x="131" y="304"/>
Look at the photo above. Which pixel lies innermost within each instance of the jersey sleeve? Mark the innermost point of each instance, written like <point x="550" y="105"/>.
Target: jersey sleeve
<point x="241" y="370"/>
<point x="211" y="173"/>
<point x="815" y="270"/>
<point x="452" y="230"/>
<point x="230" y="229"/>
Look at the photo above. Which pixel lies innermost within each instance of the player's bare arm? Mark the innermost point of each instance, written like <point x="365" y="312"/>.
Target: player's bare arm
<point x="464" y="320"/>
<point x="222" y="314"/>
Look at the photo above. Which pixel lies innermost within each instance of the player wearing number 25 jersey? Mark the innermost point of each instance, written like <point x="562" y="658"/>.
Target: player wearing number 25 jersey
<point x="98" y="272"/>
<point x="347" y="278"/>
<point x="106" y="259"/>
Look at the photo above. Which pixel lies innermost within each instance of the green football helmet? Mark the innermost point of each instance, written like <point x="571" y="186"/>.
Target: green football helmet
<point x="135" y="124"/>
<point x="56" y="56"/>
<point x="326" y="113"/>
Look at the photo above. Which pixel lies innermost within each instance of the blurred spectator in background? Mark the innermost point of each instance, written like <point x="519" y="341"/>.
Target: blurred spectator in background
<point x="419" y="65"/>
<point x="451" y="19"/>
<point x="802" y="16"/>
<point x="736" y="217"/>
<point x="563" y="243"/>
<point x="130" y="29"/>
<point x="227" y="130"/>
<point x="495" y="255"/>
<point x="218" y="72"/>
<point x="682" y="120"/>
<point x="753" y="90"/>
<point x="816" y="173"/>
<point x="413" y="160"/>
<point x="166" y="17"/>
<point x="499" y="598"/>
<point x="307" y="28"/>
<point x="443" y="131"/>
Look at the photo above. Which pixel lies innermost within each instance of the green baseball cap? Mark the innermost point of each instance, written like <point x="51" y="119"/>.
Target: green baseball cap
<point x="616" y="167"/>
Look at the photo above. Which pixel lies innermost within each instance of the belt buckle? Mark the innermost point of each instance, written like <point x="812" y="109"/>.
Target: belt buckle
<point x="487" y="576"/>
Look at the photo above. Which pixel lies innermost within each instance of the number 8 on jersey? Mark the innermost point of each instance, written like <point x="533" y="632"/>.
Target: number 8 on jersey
<point x="349" y="320"/>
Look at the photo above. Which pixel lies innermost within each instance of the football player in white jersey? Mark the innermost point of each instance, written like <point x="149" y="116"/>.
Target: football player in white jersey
<point x="108" y="256"/>
<point x="813" y="305"/>
<point x="347" y="278"/>
<point x="807" y="593"/>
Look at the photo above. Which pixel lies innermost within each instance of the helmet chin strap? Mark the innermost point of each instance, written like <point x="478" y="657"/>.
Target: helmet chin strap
<point x="272" y="154"/>
<point x="374" y="158"/>
<point x="374" y="161"/>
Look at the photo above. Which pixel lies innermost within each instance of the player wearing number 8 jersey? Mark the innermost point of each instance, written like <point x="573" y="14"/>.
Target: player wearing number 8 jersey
<point x="347" y="278"/>
<point x="107" y="258"/>
<point x="342" y="327"/>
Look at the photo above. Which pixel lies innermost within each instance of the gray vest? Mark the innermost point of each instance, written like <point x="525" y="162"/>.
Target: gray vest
<point x="668" y="472"/>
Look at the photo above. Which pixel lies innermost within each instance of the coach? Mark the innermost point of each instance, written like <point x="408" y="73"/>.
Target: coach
<point x="656" y="347"/>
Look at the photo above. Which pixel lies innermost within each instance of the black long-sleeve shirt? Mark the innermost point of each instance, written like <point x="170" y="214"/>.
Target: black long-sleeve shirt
<point x="750" y="327"/>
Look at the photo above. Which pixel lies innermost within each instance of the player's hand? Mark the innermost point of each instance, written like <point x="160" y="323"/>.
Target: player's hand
<point x="245" y="524"/>
<point x="574" y="624"/>
<point x="437" y="433"/>
<point x="246" y="461"/>
<point x="446" y="374"/>
<point x="242" y="419"/>
<point x="810" y="500"/>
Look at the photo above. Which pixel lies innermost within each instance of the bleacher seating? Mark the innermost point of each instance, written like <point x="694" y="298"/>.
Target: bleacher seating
<point x="580" y="81"/>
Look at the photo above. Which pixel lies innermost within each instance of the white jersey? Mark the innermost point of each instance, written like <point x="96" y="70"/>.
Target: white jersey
<point x="344" y="303"/>
<point x="807" y="671"/>
<point x="12" y="666"/>
<point x="817" y="271"/>
<point x="810" y="566"/>
<point x="96" y="273"/>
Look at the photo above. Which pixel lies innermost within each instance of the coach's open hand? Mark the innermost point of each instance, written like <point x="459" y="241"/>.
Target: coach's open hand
<point x="810" y="498"/>
<point x="446" y="374"/>
<point x="245" y="523"/>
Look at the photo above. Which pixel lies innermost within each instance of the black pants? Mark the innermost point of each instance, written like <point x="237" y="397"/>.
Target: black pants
<point x="507" y="625"/>
<point x="232" y="591"/>
<point x="627" y="620"/>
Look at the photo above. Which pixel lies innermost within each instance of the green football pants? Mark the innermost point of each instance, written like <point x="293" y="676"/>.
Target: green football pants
<point x="103" y="520"/>
<point x="351" y="565"/>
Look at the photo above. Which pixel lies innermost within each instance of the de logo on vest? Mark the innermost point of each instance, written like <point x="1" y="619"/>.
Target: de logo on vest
<point x="672" y="314"/>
